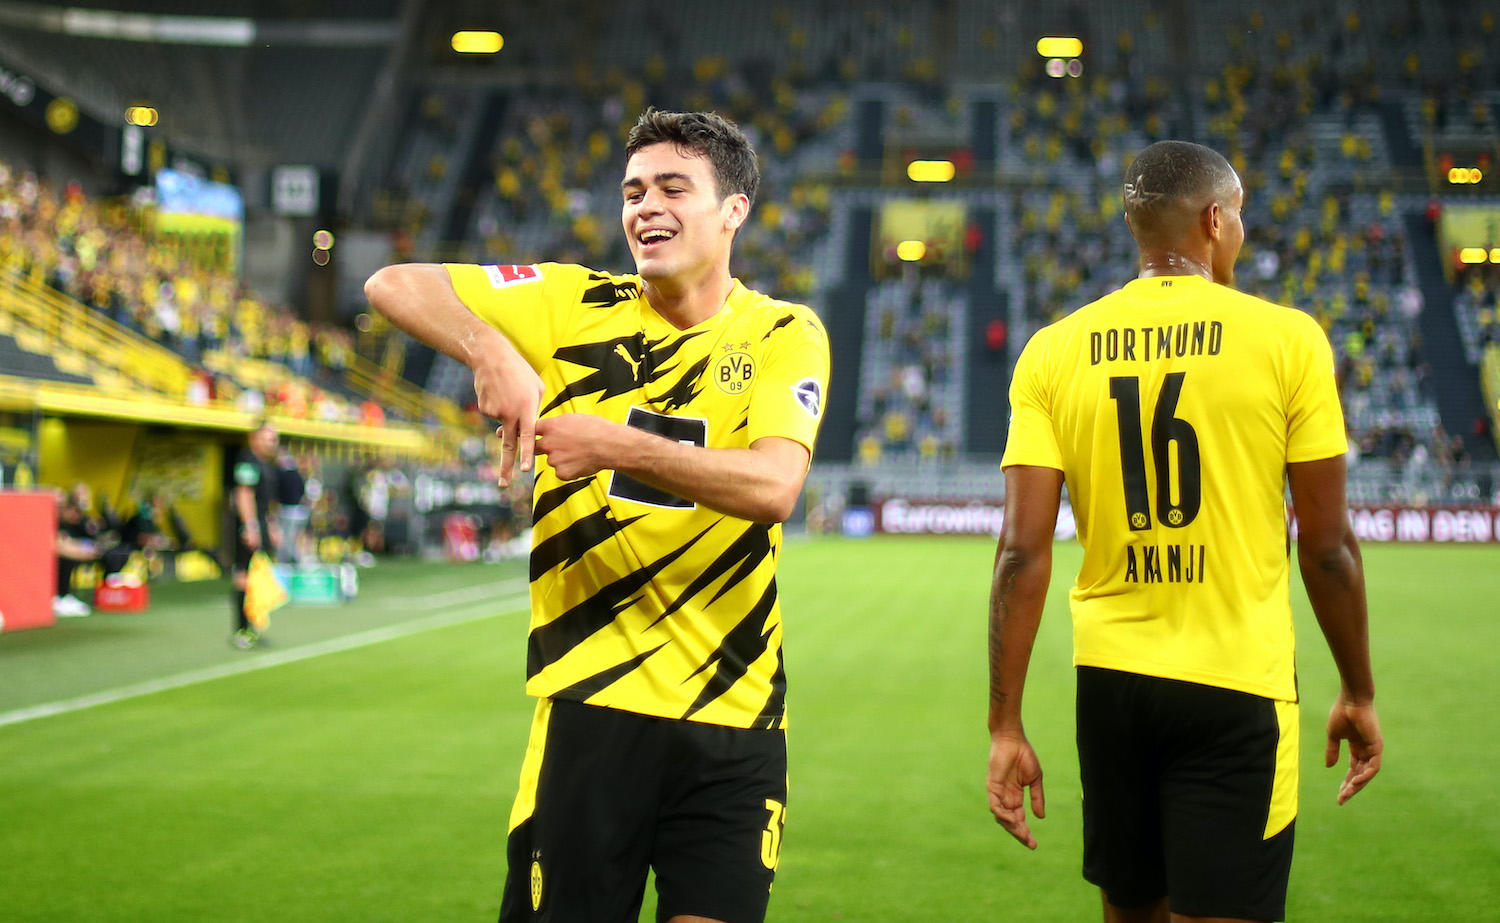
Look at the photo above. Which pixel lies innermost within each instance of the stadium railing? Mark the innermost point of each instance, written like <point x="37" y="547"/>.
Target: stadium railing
<point x="66" y="325"/>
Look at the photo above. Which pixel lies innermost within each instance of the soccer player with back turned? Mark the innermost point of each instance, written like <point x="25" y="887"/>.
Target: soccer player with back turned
<point x="674" y="412"/>
<point x="1176" y="409"/>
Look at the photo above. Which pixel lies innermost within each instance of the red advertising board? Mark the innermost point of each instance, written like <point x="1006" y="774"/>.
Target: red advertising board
<point x="28" y="558"/>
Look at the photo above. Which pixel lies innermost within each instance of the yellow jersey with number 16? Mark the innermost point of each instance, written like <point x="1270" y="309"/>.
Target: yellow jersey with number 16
<point x="1173" y="407"/>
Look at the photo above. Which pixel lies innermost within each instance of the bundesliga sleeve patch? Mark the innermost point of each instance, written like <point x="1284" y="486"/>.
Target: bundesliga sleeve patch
<point x="505" y="276"/>
<point x="810" y="395"/>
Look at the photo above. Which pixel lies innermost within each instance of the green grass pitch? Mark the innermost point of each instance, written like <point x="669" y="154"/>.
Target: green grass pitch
<point x="354" y="780"/>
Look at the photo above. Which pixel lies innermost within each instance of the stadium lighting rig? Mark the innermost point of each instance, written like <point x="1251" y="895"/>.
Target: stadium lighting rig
<point x="1479" y="255"/>
<point x="143" y="116"/>
<point x="1064" y="55"/>
<point x="477" y="42"/>
<point x="931" y="171"/>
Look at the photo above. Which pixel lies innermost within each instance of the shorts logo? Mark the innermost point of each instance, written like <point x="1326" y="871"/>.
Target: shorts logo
<point x="734" y="372"/>
<point x="505" y="276"/>
<point x="810" y="395"/>
<point x="536" y="885"/>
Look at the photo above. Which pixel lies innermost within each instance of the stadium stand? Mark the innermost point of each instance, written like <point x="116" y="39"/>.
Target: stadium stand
<point x="516" y="159"/>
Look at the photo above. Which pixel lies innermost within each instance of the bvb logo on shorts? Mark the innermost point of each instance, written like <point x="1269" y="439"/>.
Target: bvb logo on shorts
<point x="734" y="372"/>
<point x="536" y="885"/>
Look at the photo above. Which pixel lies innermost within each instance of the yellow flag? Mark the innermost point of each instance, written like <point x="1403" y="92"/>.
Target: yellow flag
<point x="263" y="592"/>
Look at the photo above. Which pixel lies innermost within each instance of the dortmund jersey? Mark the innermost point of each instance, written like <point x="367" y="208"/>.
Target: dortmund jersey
<point x="1173" y="407"/>
<point x="642" y="600"/>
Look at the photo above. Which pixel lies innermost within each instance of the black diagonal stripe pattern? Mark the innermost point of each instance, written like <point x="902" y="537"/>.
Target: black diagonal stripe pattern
<point x="749" y="550"/>
<point x="682" y="393"/>
<point x="556" y="497"/>
<point x="571" y="544"/>
<point x="661" y="353"/>
<point x="584" y="688"/>
<point x="781" y="322"/>
<point x="741" y="647"/>
<point x="608" y="293"/>
<point x="552" y="641"/>
<point x="613" y="373"/>
<point x="771" y="716"/>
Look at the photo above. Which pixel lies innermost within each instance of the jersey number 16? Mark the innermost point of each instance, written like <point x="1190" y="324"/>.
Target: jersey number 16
<point x="1166" y="429"/>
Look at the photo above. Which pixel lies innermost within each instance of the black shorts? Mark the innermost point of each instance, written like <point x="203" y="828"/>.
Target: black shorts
<point x="1189" y="793"/>
<point x="606" y="794"/>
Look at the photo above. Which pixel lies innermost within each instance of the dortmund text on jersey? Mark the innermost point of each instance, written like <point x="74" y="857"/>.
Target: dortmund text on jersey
<point x="641" y="600"/>
<point x="1173" y="407"/>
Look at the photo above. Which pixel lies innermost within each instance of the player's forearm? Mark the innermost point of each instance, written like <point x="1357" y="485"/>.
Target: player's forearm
<point x="1335" y="581"/>
<point x="1017" y="595"/>
<point x="418" y="298"/>
<point x="745" y="483"/>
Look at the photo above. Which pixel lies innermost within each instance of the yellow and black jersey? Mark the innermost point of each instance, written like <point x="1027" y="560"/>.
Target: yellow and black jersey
<point x="1173" y="407"/>
<point x="641" y="600"/>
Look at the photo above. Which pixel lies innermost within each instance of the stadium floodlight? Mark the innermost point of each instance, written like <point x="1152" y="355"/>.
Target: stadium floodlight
<point x="930" y="171"/>
<point x="1056" y="67"/>
<point x="1057" y="46"/>
<point x="144" y="116"/>
<point x="477" y="42"/>
<point x="1495" y="255"/>
<point x="911" y="251"/>
<point x="323" y="240"/>
<point x="1473" y="255"/>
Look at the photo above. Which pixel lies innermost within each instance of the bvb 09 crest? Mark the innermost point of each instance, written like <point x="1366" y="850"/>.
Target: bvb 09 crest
<point x="734" y="372"/>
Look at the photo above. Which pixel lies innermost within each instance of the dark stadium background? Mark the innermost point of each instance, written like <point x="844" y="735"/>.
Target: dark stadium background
<point x="143" y="332"/>
<point x="1366" y="134"/>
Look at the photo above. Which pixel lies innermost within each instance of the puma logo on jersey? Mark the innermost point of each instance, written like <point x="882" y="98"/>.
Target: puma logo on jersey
<point x="635" y="364"/>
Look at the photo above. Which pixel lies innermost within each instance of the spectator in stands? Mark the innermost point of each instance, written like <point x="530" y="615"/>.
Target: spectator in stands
<point x="292" y="511"/>
<point x="75" y="544"/>
<point x="155" y="527"/>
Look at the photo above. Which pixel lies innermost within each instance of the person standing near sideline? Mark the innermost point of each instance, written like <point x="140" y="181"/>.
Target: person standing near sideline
<point x="675" y="413"/>
<point x="292" y="512"/>
<point x="252" y="502"/>
<point x="1175" y="410"/>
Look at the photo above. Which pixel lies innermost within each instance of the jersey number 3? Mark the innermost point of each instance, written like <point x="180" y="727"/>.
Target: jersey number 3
<point x="688" y="430"/>
<point x="1167" y="431"/>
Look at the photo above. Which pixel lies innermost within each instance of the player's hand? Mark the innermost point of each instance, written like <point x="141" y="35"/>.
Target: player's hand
<point x="577" y="445"/>
<point x="1359" y="725"/>
<point x="251" y="537"/>
<point x="1013" y="769"/>
<point x="509" y="390"/>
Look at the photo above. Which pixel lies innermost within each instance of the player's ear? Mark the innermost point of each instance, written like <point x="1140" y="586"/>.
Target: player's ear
<point x="736" y="209"/>
<point x="1213" y="221"/>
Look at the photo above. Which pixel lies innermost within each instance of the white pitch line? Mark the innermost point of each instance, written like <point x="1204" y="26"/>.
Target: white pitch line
<point x="453" y="597"/>
<point x="501" y="606"/>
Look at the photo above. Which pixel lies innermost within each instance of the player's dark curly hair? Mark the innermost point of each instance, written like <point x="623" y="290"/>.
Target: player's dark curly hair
<point x="709" y="135"/>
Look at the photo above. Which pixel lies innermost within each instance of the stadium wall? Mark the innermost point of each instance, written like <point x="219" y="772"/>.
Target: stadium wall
<point x="121" y="461"/>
